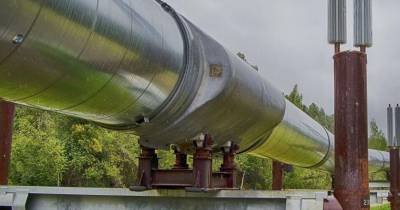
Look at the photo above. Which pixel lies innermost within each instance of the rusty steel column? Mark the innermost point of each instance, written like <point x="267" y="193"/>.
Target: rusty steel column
<point x="351" y="131"/>
<point x="202" y="164"/>
<point x="277" y="175"/>
<point x="229" y="165"/>
<point x="394" y="179"/>
<point x="6" y="126"/>
<point x="180" y="161"/>
<point x="147" y="162"/>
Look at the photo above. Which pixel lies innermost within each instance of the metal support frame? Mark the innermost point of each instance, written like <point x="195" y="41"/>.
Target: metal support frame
<point x="277" y="175"/>
<point x="180" y="161"/>
<point x="394" y="178"/>
<point x="200" y="178"/>
<point x="228" y="167"/>
<point x="6" y="126"/>
<point x="351" y="131"/>
<point x="202" y="164"/>
<point x="148" y="161"/>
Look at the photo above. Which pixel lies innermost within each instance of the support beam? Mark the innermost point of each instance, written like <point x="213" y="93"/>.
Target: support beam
<point x="6" y="126"/>
<point x="351" y="131"/>
<point x="277" y="175"/>
<point x="199" y="178"/>
<point x="180" y="161"/>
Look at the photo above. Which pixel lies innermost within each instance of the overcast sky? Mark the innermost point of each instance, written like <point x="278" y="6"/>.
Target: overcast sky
<point x="287" y="40"/>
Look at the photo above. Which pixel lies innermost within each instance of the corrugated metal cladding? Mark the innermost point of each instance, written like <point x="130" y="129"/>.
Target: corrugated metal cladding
<point x="362" y="23"/>
<point x="337" y="21"/>
<point x="397" y="130"/>
<point x="390" y="126"/>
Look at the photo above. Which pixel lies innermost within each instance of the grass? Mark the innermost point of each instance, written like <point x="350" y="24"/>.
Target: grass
<point x="381" y="207"/>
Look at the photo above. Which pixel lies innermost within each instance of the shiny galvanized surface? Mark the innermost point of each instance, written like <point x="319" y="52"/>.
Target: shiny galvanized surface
<point x="138" y="66"/>
<point x="337" y="21"/>
<point x="296" y="134"/>
<point x="106" y="61"/>
<point x="397" y="125"/>
<point x="232" y="102"/>
<point x="390" y="137"/>
<point x="363" y="23"/>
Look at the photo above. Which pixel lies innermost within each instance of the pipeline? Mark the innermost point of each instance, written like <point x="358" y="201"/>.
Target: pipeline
<point x="138" y="66"/>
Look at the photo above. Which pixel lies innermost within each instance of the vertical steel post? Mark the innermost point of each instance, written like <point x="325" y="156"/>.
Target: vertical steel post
<point x="229" y="165"/>
<point x="277" y="175"/>
<point x="394" y="179"/>
<point x="6" y="126"/>
<point x="351" y="131"/>
<point x="147" y="162"/>
<point x="180" y="161"/>
<point x="202" y="164"/>
<point x="394" y="157"/>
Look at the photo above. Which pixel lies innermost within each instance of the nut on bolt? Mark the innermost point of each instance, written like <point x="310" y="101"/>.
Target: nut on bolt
<point x="18" y="39"/>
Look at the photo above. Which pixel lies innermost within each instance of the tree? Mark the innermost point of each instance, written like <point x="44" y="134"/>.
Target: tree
<point x="296" y="98"/>
<point x="37" y="155"/>
<point x="303" y="178"/>
<point x="257" y="172"/>
<point x="376" y="139"/>
<point x="51" y="149"/>
<point x="319" y="115"/>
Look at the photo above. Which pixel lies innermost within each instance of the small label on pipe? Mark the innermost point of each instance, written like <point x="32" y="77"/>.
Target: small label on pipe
<point x="215" y="70"/>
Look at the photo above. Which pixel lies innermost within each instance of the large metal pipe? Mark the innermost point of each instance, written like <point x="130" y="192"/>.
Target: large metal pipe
<point x="137" y="65"/>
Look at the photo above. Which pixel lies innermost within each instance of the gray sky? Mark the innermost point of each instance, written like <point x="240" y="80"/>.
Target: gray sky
<point x="287" y="40"/>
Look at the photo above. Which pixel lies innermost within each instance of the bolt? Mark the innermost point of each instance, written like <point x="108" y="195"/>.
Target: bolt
<point x="166" y="7"/>
<point x="18" y="39"/>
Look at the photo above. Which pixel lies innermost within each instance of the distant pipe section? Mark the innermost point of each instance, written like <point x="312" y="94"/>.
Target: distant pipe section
<point x="137" y="65"/>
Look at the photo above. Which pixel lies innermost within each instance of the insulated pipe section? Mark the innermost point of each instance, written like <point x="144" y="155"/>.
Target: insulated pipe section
<point x="99" y="60"/>
<point x="297" y="134"/>
<point x="227" y="100"/>
<point x="299" y="140"/>
<point x="137" y="65"/>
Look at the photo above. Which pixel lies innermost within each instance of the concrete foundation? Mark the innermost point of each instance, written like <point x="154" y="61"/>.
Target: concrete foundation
<point x="50" y="198"/>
